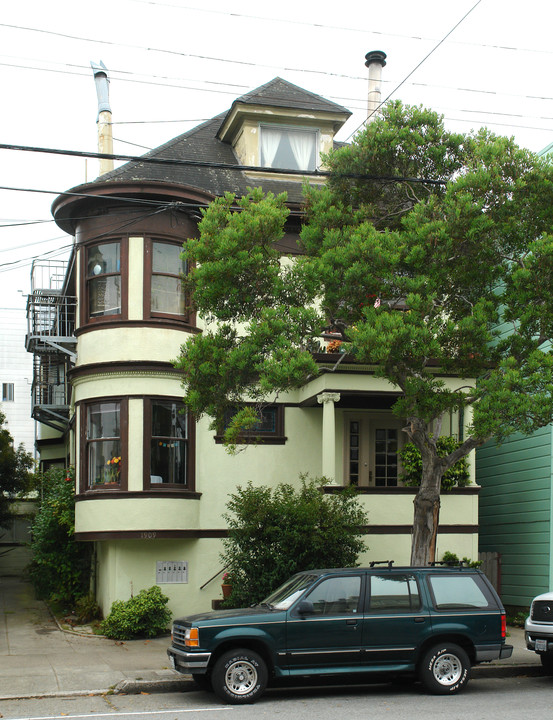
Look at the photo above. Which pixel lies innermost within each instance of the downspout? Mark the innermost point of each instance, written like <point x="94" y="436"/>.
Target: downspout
<point x="105" y="135"/>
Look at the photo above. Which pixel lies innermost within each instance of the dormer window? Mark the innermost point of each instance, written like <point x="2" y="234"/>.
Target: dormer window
<point x="288" y="148"/>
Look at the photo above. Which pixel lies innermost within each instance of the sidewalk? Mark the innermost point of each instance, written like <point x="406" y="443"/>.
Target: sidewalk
<point x="37" y="658"/>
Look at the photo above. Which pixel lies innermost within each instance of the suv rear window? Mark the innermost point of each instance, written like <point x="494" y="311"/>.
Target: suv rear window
<point x="459" y="591"/>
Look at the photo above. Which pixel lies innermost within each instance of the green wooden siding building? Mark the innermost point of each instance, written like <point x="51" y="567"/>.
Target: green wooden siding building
<point x="516" y="505"/>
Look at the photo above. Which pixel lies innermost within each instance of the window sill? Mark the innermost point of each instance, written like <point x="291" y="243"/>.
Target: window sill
<point x="147" y="493"/>
<point x="258" y="440"/>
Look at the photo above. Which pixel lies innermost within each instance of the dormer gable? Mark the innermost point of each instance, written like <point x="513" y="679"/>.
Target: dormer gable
<point x="280" y="125"/>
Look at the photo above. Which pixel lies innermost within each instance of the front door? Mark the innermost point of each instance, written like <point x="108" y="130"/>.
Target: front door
<point x="371" y="444"/>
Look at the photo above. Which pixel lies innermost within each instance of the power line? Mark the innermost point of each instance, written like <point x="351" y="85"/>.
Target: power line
<point x="419" y="65"/>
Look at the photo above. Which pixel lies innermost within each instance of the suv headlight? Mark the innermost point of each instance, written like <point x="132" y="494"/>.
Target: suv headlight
<point x="192" y="637"/>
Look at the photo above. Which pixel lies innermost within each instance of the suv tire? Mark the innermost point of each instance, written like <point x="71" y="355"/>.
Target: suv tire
<point x="445" y="669"/>
<point x="547" y="662"/>
<point x="239" y="676"/>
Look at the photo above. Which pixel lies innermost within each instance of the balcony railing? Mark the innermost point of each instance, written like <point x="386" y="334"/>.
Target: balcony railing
<point x="51" y="339"/>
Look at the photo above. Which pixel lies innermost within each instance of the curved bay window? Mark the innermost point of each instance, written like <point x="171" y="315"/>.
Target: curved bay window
<point x="167" y="444"/>
<point x="165" y="270"/>
<point x="103" y="279"/>
<point x="103" y="448"/>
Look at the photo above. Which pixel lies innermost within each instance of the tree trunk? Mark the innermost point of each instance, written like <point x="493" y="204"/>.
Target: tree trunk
<point x="425" y="525"/>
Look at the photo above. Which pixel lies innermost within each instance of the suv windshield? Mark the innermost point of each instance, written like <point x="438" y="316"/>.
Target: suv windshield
<point x="288" y="593"/>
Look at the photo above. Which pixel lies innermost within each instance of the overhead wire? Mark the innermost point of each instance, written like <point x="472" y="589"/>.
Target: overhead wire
<point x="425" y="58"/>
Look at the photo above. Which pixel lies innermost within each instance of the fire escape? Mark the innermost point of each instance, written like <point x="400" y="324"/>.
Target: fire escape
<point x="51" y="339"/>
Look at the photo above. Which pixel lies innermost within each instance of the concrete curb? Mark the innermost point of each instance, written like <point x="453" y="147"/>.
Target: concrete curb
<point x="186" y="684"/>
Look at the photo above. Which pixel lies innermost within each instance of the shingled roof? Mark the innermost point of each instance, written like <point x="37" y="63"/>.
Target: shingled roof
<point x="202" y="144"/>
<point x="281" y="93"/>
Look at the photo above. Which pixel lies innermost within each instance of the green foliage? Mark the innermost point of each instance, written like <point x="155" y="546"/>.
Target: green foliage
<point x="411" y="460"/>
<point x="264" y="320"/>
<point x="429" y="252"/>
<point x="143" y="615"/>
<point x="274" y="533"/>
<point x="60" y="568"/>
<point x="517" y="618"/>
<point x="450" y="558"/>
<point x="15" y="476"/>
<point x="87" y="609"/>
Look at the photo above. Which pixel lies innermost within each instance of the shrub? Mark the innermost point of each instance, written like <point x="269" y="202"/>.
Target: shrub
<point x="274" y="533"/>
<point x="87" y="609"/>
<point x="450" y="558"/>
<point x="456" y="476"/>
<point x="143" y="615"/>
<point x="60" y="566"/>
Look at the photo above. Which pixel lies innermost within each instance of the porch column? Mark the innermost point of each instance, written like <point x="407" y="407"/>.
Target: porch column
<point x="327" y="400"/>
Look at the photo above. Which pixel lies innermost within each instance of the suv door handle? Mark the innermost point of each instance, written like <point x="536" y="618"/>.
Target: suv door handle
<point x="420" y="619"/>
<point x="351" y="622"/>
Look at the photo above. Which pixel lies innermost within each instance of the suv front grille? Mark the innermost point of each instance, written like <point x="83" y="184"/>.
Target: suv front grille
<point x="542" y="611"/>
<point x="179" y="634"/>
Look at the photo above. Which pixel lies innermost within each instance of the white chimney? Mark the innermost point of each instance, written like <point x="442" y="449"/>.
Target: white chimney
<point x="105" y="134"/>
<point x="375" y="60"/>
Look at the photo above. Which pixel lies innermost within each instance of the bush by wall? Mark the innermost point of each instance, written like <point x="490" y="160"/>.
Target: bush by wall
<point x="276" y="532"/>
<point x="143" y="615"/>
<point x="60" y="567"/>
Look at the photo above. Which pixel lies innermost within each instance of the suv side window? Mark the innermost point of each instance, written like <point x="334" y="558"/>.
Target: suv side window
<point x="394" y="593"/>
<point x="336" y="596"/>
<point x="459" y="591"/>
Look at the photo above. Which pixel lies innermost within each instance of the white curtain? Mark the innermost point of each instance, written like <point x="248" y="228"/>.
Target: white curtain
<point x="302" y="147"/>
<point x="270" y="140"/>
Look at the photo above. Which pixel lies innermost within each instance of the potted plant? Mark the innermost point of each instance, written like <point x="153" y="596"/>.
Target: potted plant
<point x="226" y="584"/>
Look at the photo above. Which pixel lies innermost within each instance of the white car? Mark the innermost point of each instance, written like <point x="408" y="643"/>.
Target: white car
<point x="539" y="629"/>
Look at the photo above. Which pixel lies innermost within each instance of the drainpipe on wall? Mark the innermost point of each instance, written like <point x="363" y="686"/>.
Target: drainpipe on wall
<point x="375" y="60"/>
<point x="105" y="135"/>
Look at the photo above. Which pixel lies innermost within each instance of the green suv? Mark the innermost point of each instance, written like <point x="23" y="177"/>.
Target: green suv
<point x="430" y="622"/>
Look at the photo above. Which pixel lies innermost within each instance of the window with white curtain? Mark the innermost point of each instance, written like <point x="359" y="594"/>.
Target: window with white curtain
<point x="288" y="148"/>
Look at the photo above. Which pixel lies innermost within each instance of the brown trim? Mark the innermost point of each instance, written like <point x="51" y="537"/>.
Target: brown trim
<point x="124" y="430"/>
<point x="401" y="490"/>
<point x="108" y="197"/>
<point x="408" y="529"/>
<point x="149" y="535"/>
<point x="257" y="440"/>
<point x="146" y="447"/>
<point x="123" y="241"/>
<point x="168" y="492"/>
<point x="123" y="367"/>
<point x="164" y="323"/>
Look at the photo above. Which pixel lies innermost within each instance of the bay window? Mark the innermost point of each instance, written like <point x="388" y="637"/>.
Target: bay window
<point x="167" y="444"/>
<point x="103" y="447"/>
<point x="165" y="270"/>
<point x="103" y="279"/>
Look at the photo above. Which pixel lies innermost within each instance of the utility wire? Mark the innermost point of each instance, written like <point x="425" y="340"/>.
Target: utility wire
<point x="199" y="163"/>
<point x="418" y="66"/>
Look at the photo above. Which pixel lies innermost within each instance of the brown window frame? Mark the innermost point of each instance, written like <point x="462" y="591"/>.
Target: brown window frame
<point x="261" y="437"/>
<point x="123" y="438"/>
<point x="148" y="313"/>
<point x="190" y="447"/>
<point x="86" y="318"/>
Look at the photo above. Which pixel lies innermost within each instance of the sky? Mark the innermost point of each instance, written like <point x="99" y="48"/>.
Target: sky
<point x="173" y="64"/>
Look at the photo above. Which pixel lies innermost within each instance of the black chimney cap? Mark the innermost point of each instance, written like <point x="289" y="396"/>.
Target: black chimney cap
<point x="375" y="56"/>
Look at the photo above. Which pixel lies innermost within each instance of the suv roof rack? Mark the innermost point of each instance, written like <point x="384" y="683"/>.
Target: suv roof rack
<point x="389" y="563"/>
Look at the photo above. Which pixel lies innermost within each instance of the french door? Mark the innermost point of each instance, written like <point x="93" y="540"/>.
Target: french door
<point x="371" y="444"/>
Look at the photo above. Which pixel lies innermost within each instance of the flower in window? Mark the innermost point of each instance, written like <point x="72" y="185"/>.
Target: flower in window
<point x="113" y="470"/>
